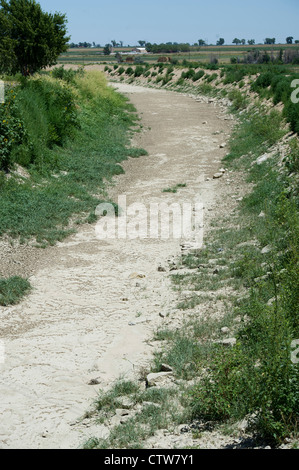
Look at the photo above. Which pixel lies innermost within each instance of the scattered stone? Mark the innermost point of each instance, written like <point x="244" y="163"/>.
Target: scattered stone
<point x="136" y="275"/>
<point x="227" y="342"/>
<point x="126" y="403"/>
<point x="161" y="269"/>
<point x="150" y="403"/>
<point x="157" y="379"/>
<point x="224" y="330"/>
<point x="262" y="214"/>
<point x="161" y="315"/>
<point x="266" y="249"/>
<point x="205" y="122"/>
<point x="173" y="267"/>
<point x="271" y="301"/>
<point x="223" y="145"/>
<point x="93" y="382"/>
<point x="185" y="429"/>
<point x="166" y="368"/>
<point x="120" y="417"/>
<point x="216" y="271"/>
<point x="262" y="158"/>
<point x="217" y="175"/>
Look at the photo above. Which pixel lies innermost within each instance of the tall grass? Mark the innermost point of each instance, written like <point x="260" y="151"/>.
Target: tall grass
<point x="75" y="134"/>
<point x="257" y="378"/>
<point x="13" y="289"/>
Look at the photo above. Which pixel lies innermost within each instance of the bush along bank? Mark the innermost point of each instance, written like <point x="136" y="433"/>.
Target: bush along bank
<point x="244" y="360"/>
<point x="62" y="135"/>
<point x="257" y="377"/>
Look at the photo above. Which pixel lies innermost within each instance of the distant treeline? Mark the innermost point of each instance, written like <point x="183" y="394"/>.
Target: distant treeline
<point x="167" y="48"/>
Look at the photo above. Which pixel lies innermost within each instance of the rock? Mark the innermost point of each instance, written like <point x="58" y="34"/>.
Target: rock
<point x="205" y="122"/>
<point x="161" y="269"/>
<point x="227" y="342"/>
<point x="217" y="175"/>
<point x="266" y="249"/>
<point x="224" y="330"/>
<point x="151" y="403"/>
<point x="173" y="267"/>
<point x="262" y="214"/>
<point x="223" y="145"/>
<point x="165" y="368"/>
<point x="93" y="382"/>
<point x="158" y="379"/>
<point x="136" y="275"/>
<point x="262" y="158"/>
<point x="121" y="416"/>
<point x="126" y="403"/>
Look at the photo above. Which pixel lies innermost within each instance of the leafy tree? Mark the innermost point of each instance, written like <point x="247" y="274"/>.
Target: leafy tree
<point x="251" y="42"/>
<point x="220" y="42"/>
<point x="30" y="39"/>
<point x="269" y="41"/>
<point x="236" y="41"/>
<point x="107" y="49"/>
<point x="289" y="40"/>
<point x="201" y="42"/>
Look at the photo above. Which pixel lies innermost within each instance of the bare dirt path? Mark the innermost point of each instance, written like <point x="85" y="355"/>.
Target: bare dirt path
<point x="96" y="303"/>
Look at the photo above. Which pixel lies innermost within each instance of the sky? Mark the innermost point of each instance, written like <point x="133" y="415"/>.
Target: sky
<point x="186" y="21"/>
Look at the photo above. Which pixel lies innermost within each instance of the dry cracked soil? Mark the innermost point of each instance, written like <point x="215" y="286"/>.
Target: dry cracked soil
<point x="96" y="302"/>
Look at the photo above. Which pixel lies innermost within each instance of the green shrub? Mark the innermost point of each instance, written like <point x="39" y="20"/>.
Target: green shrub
<point x="138" y="71"/>
<point x="212" y="77"/>
<point x="226" y="391"/>
<point x="198" y="75"/>
<point x="189" y="74"/>
<point x="239" y="100"/>
<point x="67" y="75"/>
<point x="12" y="290"/>
<point x="12" y="131"/>
<point x="291" y="113"/>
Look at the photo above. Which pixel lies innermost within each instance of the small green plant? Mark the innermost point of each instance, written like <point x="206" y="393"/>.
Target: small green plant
<point x="12" y="290"/>
<point x="175" y="188"/>
<point x="239" y="101"/>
